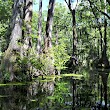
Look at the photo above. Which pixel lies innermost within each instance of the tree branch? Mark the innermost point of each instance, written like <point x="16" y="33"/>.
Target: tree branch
<point x="69" y="5"/>
<point x="103" y="13"/>
<point x="99" y="27"/>
<point x="99" y="10"/>
<point x="66" y="3"/>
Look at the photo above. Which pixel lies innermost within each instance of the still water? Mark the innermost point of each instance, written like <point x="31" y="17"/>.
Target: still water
<point x="89" y="92"/>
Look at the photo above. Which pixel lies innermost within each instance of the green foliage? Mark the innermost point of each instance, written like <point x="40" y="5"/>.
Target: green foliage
<point x="60" y="55"/>
<point x="34" y="27"/>
<point x="5" y="14"/>
<point x="46" y="63"/>
<point x="6" y="77"/>
<point x="5" y="9"/>
<point x="89" y="20"/>
<point x="27" y="63"/>
<point x="60" y="93"/>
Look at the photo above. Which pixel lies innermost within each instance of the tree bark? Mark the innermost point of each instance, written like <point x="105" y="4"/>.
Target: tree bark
<point x="74" y="32"/>
<point x="22" y="12"/>
<point x="48" y="38"/>
<point x="105" y="38"/>
<point x="73" y="59"/>
<point x="39" y="28"/>
<point x="48" y="42"/>
<point x="16" y="35"/>
<point x="27" y="25"/>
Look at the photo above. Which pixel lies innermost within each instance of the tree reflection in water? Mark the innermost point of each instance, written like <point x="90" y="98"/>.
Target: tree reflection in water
<point x="90" y="92"/>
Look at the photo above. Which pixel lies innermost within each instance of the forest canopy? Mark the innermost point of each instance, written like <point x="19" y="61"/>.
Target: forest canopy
<point x="69" y="35"/>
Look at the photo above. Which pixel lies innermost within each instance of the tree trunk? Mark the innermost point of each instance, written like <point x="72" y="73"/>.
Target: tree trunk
<point x="22" y="12"/>
<point x="48" y="42"/>
<point x="16" y="35"/>
<point x="105" y="39"/>
<point x="27" y="40"/>
<point x="74" y="32"/>
<point x="73" y="58"/>
<point x="28" y="29"/>
<point x="48" y="39"/>
<point x="105" y="32"/>
<point x="39" y="28"/>
<point x="103" y="61"/>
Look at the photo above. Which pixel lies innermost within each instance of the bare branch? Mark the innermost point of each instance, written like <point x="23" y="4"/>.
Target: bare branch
<point x="69" y="5"/>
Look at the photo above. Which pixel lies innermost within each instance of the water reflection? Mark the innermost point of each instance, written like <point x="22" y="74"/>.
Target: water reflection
<point x="37" y="94"/>
<point x="68" y="93"/>
<point x="104" y="77"/>
<point x="13" y="98"/>
<point x="91" y="92"/>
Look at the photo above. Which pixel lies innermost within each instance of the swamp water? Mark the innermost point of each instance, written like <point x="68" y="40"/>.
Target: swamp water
<point x="89" y="91"/>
